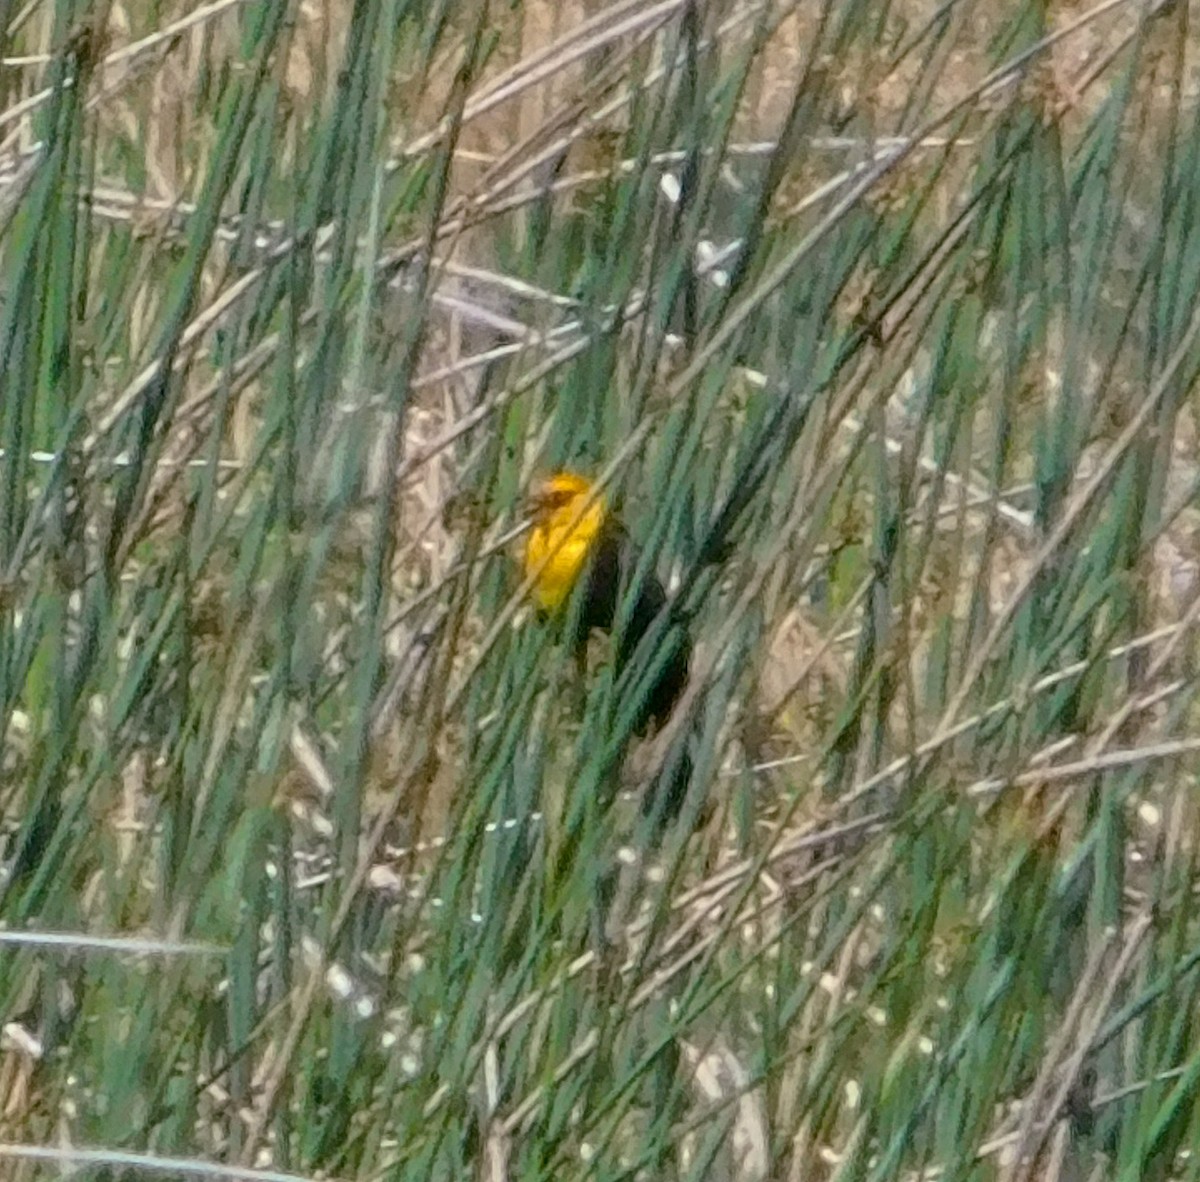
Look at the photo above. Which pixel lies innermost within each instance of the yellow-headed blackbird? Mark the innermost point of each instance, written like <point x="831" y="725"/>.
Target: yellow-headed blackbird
<point x="575" y="536"/>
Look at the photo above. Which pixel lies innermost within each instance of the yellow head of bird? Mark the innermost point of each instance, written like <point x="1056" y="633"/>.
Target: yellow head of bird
<point x="562" y="535"/>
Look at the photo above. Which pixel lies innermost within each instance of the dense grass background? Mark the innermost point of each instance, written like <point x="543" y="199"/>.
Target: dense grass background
<point x="879" y="321"/>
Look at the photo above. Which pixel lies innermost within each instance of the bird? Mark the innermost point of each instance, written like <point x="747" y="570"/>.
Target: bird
<point x="575" y="542"/>
<point x="575" y="536"/>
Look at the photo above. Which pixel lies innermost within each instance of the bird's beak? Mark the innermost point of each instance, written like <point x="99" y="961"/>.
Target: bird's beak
<point x="537" y="501"/>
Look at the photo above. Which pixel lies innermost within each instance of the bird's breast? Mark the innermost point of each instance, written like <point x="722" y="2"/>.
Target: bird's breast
<point x="560" y="559"/>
